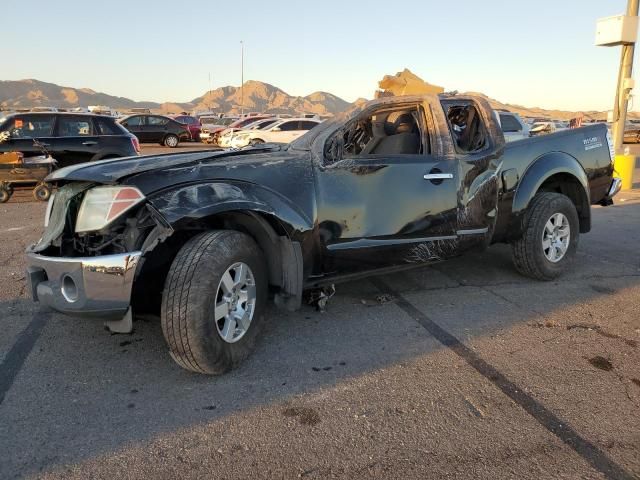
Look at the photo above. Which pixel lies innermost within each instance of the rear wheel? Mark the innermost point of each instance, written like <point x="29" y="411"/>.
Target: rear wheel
<point x="42" y="192"/>
<point x="213" y="301"/>
<point x="550" y="240"/>
<point x="171" y="141"/>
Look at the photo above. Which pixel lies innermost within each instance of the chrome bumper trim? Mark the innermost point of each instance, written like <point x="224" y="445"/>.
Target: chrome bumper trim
<point x="616" y="184"/>
<point x="99" y="286"/>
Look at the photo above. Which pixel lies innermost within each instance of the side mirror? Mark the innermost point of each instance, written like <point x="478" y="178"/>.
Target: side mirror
<point x="276" y="129"/>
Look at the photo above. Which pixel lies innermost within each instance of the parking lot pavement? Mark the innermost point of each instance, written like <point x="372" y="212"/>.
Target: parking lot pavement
<point x="463" y="369"/>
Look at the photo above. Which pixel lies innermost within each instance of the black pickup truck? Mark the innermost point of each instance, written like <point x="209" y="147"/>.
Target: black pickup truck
<point x="206" y="238"/>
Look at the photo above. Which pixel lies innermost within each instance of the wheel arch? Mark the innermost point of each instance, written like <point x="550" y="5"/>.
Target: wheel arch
<point x="552" y="172"/>
<point x="278" y="236"/>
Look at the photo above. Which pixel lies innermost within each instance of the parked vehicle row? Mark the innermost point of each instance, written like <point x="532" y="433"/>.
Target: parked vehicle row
<point x="263" y="129"/>
<point x="70" y="138"/>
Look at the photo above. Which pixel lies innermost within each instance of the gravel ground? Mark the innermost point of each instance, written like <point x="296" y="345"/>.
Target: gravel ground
<point x="461" y="370"/>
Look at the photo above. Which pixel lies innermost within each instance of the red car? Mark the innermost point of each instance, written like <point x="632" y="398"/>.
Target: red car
<point x="192" y="124"/>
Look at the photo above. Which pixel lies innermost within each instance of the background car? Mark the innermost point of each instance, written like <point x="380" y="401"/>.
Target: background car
<point x="237" y="125"/>
<point x="156" y="129"/>
<point x="282" y="131"/>
<point x="542" y="128"/>
<point x="225" y="140"/>
<point x="513" y="128"/>
<point x="192" y="123"/>
<point x="212" y="125"/>
<point x="70" y="138"/>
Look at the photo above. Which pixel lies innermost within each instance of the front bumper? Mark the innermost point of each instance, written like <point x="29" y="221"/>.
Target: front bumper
<point x="99" y="286"/>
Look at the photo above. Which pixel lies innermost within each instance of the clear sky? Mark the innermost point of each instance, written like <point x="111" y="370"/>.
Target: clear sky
<point x="534" y="53"/>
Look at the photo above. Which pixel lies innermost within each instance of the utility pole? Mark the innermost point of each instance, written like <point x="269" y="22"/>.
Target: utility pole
<point x="624" y="86"/>
<point x="241" y="78"/>
<point x="621" y="30"/>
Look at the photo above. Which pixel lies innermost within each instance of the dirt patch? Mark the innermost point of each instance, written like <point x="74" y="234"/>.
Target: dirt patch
<point x="601" y="363"/>
<point x="305" y="415"/>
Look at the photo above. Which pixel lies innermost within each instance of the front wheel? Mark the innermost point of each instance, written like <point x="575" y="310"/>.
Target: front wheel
<point x="550" y="239"/>
<point x="5" y="194"/>
<point x="171" y="141"/>
<point x="213" y="301"/>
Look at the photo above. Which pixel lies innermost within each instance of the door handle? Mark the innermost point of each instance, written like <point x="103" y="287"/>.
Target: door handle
<point x="438" y="176"/>
<point x="90" y="143"/>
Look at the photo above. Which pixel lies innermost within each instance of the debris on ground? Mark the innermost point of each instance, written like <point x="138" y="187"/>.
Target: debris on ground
<point x="321" y="296"/>
<point x="473" y="408"/>
<point x="385" y="298"/>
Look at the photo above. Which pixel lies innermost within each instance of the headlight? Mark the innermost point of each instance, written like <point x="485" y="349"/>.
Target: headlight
<point x="102" y="205"/>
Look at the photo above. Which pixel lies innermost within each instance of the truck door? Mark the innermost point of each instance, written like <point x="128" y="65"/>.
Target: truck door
<point x="386" y="199"/>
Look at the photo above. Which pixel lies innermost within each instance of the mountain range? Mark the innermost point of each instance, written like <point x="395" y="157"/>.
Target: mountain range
<point x="256" y="97"/>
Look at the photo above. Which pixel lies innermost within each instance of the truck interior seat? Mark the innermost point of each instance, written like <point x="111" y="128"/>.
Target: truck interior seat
<point x="402" y="135"/>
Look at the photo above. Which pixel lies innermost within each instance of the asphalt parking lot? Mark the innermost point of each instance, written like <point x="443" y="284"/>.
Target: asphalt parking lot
<point x="463" y="369"/>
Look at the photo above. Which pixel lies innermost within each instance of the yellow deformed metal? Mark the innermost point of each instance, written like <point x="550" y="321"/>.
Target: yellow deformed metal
<point x="406" y="83"/>
<point x="624" y="166"/>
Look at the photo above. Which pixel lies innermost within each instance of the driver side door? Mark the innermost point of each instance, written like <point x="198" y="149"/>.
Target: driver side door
<point x="379" y="210"/>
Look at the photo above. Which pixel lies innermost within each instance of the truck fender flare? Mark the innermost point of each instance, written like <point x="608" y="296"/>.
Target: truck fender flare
<point x="541" y="170"/>
<point x="192" y="202"/>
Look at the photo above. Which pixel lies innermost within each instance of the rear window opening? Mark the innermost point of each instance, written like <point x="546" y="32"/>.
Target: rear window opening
<point x="466" y="126"/>
<point x="397" y="131"/>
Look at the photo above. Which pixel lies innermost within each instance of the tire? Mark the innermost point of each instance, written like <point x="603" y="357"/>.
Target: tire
<point x="5" y="194"/>
<point x="534" y="254"/>
<point x="193" y="288"/>
<point x="256" y="141"/>
<point x="42" y="192"/>
<point x="171" y="141"/>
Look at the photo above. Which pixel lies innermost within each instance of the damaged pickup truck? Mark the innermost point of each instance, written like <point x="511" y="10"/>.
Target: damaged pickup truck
<point x="206" y="238"/>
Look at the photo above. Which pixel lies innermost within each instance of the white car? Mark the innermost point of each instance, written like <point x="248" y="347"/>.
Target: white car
<point x="228" y="135"/>
<point x="281" y="131"/>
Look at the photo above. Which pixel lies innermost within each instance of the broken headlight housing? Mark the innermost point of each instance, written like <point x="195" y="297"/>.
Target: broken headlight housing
<point x="102" y="205"/>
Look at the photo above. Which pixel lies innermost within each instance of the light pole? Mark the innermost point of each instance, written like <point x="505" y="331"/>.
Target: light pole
<point x="613" y="31"/>
<point x="241" y="78"/>
<point x="624" y="85"/>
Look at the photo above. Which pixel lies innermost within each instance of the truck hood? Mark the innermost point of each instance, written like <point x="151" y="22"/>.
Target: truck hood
<point x="114" y="170"/>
